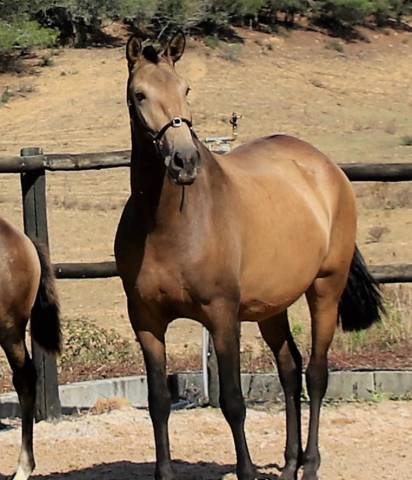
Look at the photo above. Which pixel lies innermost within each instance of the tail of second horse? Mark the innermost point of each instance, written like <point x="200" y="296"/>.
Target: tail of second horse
<point x="45" y="315"/>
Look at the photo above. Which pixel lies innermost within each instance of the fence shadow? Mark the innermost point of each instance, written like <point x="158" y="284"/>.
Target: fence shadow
<point x="144" y="471"/>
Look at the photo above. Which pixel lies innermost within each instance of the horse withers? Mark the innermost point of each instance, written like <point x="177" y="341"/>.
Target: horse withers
<point x="230" y="238"/>
<point x="27" y="291"/>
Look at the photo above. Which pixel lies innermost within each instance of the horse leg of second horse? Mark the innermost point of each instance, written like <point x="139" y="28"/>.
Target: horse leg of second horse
<point x="150" y="333"/>
<point x="225" y="332"/>
<point x="24" y="380"/>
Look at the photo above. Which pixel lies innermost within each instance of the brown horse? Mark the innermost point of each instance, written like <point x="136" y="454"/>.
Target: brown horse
<point x="256" y="229"/>
<point x="27" y="290"/>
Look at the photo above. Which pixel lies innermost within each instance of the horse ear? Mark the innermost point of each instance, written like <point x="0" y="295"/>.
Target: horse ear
<point x="133" y="49"/>
<point x="176" y="46"/>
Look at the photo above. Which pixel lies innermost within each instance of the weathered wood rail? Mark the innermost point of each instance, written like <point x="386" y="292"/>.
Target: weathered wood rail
<point x="32" y="166"/>
<point x="66" y="162"/>
<point x="400" y="273"/>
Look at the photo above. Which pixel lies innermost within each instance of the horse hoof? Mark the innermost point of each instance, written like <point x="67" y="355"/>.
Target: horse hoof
<point x="248" y="475"/>
<point x="165" y="475"/>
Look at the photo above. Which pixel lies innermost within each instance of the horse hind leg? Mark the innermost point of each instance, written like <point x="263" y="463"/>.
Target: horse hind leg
<point x="24" y="381"/>
<point x="323" y="299"/>
<point x="277" y="335"/>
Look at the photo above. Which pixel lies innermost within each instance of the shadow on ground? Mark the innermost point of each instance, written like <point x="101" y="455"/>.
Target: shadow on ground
<point x="145" y="471"/>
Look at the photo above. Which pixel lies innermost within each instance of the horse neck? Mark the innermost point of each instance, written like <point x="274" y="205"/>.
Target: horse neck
<point x="164" y="205"/>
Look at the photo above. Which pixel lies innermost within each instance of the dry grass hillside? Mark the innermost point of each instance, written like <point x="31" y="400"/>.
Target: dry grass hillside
<point x="352" y="100"/>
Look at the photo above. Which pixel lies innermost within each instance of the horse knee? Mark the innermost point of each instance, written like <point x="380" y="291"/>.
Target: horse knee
<point x="233" y="406"/>
<point x="24" y="378"/>
<point x="290" y="369"/>
<point x="159" y="404"/>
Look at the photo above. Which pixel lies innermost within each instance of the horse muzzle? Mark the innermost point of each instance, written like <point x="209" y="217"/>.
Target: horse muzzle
<point x="183" y="169"/>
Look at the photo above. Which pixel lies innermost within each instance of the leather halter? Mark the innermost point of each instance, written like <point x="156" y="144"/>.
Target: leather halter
<point x="155" y="137"/>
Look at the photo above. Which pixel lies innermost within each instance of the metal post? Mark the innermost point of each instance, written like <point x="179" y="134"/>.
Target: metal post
<point x="33" y="186"/>
<point x="213" y="376"/>
<point x="205" y="358"/>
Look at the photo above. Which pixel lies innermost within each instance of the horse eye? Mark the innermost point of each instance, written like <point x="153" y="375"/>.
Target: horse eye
<point x="140" y="96"/>
<point x="188" y="91"/>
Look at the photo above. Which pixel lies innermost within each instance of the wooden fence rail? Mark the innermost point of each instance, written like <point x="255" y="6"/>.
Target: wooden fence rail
<point x="32" y="166"/>
<point x="66" y="162"/>
<point x="400" y="273"/>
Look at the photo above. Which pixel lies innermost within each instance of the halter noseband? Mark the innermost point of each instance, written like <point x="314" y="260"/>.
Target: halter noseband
<point x="155" y="137"/>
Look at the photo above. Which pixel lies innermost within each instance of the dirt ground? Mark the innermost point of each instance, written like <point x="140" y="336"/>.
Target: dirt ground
<point x="354" y="105"/>
<point x="357" y="441"/>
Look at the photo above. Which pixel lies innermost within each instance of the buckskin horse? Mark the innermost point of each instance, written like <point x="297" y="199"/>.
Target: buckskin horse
<point x="27" y="290"/>
<point x="228" y="238"/>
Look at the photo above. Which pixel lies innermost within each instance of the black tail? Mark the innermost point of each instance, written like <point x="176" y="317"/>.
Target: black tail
<point x="361" y="302"/>
<point x="45" y="314"/>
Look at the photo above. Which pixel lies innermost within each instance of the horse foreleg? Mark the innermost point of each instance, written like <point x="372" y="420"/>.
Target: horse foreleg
<point x="24" y="381"/>
<point x="323" y="297"/>
<point x="150" y="334"/>
<point x="225" y="332"/>
<point x="277" y="335"/>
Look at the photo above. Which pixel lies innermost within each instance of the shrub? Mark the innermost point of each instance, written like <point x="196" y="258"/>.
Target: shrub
<point x="6" y="95"/>
<point x="349" y="12"/>
<point x="335" y="45"/>
<point x="289" y="7"/>
<point x="141" y="11"/>
<point x="386" y="9"/>
<point x="13" y="9"/>
<point x="406" y="140"/>
<point x="231" y="52"/>
<point x="211" y="41"/>
<point x="89" y="345"/>
<point x="24" y="34"/>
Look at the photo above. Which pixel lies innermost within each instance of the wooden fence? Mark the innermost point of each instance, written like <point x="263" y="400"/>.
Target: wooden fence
<point x="32" y="166"/>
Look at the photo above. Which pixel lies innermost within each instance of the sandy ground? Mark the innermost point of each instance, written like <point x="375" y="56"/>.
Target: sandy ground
<point x="358" y="442"/>
<point x="355" y="106"/>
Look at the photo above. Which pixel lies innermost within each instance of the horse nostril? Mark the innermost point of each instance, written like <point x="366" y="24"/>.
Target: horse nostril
<point x="178" y="161"/>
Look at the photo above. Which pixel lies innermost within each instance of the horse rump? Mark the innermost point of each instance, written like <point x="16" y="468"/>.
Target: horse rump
<point x="45" y="314"/>
<point x="361" y="302"/>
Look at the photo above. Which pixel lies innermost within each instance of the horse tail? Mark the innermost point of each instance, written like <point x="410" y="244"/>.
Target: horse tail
<point x="45" y="314"/>
<point x="361" y="302"/>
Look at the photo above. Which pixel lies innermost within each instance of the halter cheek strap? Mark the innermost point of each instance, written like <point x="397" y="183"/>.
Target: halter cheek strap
<point x="155" y="137"/>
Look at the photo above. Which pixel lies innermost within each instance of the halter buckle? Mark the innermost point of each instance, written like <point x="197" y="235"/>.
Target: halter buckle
<point x="176" y="122"/>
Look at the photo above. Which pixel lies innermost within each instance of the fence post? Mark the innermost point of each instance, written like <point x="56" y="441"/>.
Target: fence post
<point x="33" y="185"/>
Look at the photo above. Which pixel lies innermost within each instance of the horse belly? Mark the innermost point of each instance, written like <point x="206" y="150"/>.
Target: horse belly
<point x="268" y="296"/>
<point x="279" y="264"/>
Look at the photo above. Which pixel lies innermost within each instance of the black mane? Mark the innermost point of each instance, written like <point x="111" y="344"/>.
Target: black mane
<point x="150" y="53"/>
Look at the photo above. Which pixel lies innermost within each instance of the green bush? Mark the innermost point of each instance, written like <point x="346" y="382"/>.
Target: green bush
<point x="173" y="14"/>
<point x="350" y="12"/>
<point x="87" y="344"/>
<point x="24" y="34"/>
<point x="289" y="6"/>
<point x="406" y="140"/>
<point x="141" y="11"/>
<point x="205" y="17"/>
<point x="386" y="9"/>
<point x="13" y="9"/>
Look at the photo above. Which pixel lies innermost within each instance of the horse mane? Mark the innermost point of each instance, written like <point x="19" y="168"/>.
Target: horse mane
<point x="150" y="54"/>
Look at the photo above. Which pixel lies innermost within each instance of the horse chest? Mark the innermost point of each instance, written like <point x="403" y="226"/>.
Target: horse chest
<point x="160" y="284"/>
